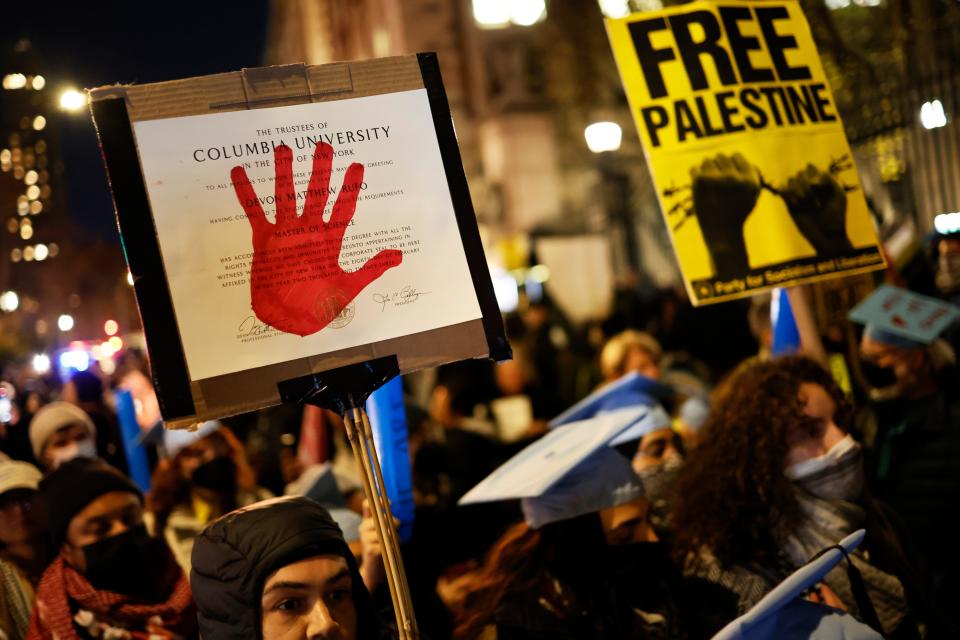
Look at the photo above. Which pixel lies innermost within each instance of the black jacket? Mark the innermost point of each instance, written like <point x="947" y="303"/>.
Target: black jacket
<point x="233" y="557"/>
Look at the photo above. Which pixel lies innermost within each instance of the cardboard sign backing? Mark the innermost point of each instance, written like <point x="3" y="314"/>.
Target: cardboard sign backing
<point x="185" y="232"/>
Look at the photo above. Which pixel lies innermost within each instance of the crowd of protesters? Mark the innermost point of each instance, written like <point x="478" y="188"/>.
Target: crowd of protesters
<point x="256" y="526"/>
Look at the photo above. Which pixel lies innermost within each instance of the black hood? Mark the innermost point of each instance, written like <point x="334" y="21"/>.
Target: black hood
<point x="233" y="557"/>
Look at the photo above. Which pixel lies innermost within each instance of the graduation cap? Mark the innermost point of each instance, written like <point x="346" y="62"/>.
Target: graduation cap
<point x="782" y="614"/>
<point x="570" y="471"/>
<point x="902" y="318"/>
<point x="630" y="391"/>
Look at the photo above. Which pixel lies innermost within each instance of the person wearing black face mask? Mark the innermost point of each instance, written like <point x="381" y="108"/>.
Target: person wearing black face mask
<point x="913" y="463"/>
<point x="111" y="578"/>
<point x="204" y="476"/>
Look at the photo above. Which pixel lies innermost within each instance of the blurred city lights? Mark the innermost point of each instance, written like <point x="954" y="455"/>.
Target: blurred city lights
<point x="501" y="13"/>
<point x="491" y="13"/>
<point x="16" y="254"/>
<point x="106" y="349"/>
<point x="110" y="327"/>
<point x="28" y="253"/>
<point x="65" y="322"/>
<point x="9" y="301"/>
<point x="39" y="83"/>
<point x="30" y="177"/>
<point x="39" y="123"/>
<point x="505" y="289"/>
<point x="539" y="273"/>
<point x="603" y="136"/>
<point x="40" y="252"/>
<point x="116" y="343"/>
<point x="75" y="358"/>
<point x="41" y="364"/>
<point x="14" y="81"/>
<point x="615" y="8"/>
<point x="72" y="100"/>
<point x="947" y="223"/>
<point x="26" y="232"/>
<point x="527" y="12"/>
<point x="932" y="115"/>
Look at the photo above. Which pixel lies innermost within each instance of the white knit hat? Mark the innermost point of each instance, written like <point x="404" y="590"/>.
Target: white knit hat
<point x="53" y="417"/>
<point x="15" y="474"/>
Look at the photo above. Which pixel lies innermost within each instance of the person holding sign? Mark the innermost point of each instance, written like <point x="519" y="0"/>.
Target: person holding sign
<point x="776" y="479"/>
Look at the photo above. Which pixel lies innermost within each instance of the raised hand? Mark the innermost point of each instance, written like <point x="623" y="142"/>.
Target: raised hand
<point x="725" y="190"/>
<point x="817" y="202"/>
<point x="296" y="282"/>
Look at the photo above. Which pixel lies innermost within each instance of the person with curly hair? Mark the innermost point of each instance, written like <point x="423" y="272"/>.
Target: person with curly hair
<point x="776" y="479"/>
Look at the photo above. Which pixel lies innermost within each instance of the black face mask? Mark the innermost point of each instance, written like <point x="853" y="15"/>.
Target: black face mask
<point x="649" y="557"/>
<point x="219" y="475"/>
<point x="132" y="563"/>
<point x="876" y="376"/>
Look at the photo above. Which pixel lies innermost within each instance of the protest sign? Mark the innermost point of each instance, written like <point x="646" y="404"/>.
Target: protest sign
<point x="752" y="168"/>
<point x="911" y="315"/>
<point x="285" y="221"/>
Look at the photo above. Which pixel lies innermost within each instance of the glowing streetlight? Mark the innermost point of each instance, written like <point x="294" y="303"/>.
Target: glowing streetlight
<point x="603" y="136"/>
<point x="9" y="301"/>
<point x="932" y="115"/>
<point x="65" y="322"/>
<point x="615" y="8"/>
<point x="72" y="100"/>
<point x="110" y="327"/>
<point x="527" y="12"/>
<point x="491" y="13"/>
<point x="41" y="364"/>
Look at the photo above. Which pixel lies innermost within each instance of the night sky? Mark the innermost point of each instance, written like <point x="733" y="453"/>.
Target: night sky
<point x="90" y="44"/>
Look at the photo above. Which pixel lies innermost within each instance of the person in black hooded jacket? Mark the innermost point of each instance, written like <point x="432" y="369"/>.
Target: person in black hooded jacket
<point x="279" y="568"/>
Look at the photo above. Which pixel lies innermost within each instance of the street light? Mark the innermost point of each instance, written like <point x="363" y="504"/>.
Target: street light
<point x="603" y="136"/>
<point x="615" y="8"/>
<point x="932" y="115"/>
<point x="501" y="13"/>
<point x="9" y="301"/>
<point x="65" y="322"/>
<point x="72" y="100"/>
<point x="41" y="364"/>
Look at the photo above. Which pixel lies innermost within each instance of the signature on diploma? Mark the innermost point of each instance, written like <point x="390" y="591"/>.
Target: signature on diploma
<point x="407" y="295"/>
<point x="253" y="327"/>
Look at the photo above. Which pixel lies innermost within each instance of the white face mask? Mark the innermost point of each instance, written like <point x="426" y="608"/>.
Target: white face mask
<point x="82" y="449"/>
<point x="836" y="475"/>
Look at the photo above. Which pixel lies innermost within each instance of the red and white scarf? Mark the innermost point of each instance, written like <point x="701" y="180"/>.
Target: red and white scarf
<point x="53" y="614"/>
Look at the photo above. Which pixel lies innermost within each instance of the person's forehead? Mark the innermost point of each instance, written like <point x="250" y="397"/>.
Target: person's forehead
<point x="71" y="429"/>
<point x="313" y="572"/>
<point x="108" y="504"/>
<point x="871" y="347"/>
<point x="814" y="395"/>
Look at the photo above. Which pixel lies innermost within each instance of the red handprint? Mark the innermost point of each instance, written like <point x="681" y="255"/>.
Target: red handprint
<point x="296" y="282"/>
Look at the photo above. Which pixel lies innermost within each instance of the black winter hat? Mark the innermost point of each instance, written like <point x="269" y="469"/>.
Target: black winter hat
<point x="233" y="557"/>
<point x="74" y="485"/>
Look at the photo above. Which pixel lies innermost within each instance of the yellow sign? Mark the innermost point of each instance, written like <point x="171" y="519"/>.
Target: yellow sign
<point x="752" y="167"/>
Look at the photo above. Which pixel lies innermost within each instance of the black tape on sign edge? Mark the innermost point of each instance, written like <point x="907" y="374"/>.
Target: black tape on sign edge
<point x="141" y="248"/>
<point x="463" y="207"/>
